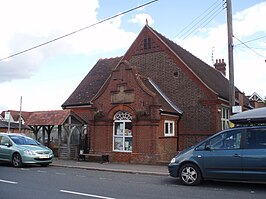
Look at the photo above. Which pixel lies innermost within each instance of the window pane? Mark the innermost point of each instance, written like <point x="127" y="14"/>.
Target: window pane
<point x="171" y="130"/>
<point x="128" y="129"/>
<point x="118" y="143"/>
<point x="145" y="44"/>
<point x="118" y="128"/>
<point x="149" y="43"/>
<point x="256" y="139"/>
<point x="228" y="140"/>
<point x="128" y="144"/>
<point x="166" y="128"/>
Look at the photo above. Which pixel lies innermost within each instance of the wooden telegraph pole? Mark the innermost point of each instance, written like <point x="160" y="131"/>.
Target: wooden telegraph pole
<point x="20" y="114"/>
<point x="230" y="55"/>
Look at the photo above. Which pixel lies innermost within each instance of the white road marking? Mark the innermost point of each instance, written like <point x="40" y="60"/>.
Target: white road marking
<point x="23" y="169"/>
<point x="9" y="182"/>
<point x="81" y="176"/>
<point x="40" y="171"/>
<point x="60" y="173"/>
<point x="86" y="194"/>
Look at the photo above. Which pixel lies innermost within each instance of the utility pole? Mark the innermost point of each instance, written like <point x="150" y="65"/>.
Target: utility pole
<point x="230" y="55"/>
<point x="20" y="114"/>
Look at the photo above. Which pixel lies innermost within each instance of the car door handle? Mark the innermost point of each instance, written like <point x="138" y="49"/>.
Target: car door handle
<point x="236" y="156"/>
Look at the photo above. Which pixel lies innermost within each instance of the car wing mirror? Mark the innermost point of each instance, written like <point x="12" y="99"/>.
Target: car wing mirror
<point x="8" y="144"/>
<point x="208" y="147"/>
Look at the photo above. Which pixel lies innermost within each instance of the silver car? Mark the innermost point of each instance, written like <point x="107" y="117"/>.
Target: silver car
<point x="19" y="149"/>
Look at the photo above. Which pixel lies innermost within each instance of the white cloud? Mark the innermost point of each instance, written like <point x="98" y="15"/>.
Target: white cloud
<point x="250" y="21"/>
<point x="30" y="23"/>
<point x="142" y="18"/>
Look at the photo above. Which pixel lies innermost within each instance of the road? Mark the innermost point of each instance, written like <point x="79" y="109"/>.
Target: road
<point x="56" y="182"/>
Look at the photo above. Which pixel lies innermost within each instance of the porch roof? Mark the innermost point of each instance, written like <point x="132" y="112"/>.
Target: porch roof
<point x="48" y="118"/>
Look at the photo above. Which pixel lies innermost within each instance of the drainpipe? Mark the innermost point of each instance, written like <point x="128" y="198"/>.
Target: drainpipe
<point x="177" y="137"/>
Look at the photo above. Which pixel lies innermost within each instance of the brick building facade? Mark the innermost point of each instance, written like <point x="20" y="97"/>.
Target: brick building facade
<point x="154" y="101"/>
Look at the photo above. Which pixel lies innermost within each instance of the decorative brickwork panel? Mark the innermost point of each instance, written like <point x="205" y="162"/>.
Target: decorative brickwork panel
<point x="122" y="96"/>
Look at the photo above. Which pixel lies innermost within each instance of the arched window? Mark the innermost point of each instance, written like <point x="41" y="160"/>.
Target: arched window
<point x="122" y="139"/>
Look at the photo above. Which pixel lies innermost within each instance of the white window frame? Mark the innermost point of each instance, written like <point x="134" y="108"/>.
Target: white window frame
<point x="225" y="118"/>
<point x="124" y="135"/>
<point x="170" y="130"/>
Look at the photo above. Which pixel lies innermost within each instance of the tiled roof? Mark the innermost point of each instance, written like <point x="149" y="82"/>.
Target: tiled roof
<point x="47" y="118"/>
<point x="95" y="79"/>
<point x="206" y="73"/>
<point x="13" y="125"/>
<point x="92" y="82"/>
<point x="166" y="104"/>
<point x="15" y="114"/>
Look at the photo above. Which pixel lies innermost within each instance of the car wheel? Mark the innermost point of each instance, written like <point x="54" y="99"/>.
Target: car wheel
<point x="16" y="160"/>
<point x="190" y="174"/>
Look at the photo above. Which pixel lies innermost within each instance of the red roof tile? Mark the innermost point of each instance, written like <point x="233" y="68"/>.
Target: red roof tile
<point x="47" y="118"/>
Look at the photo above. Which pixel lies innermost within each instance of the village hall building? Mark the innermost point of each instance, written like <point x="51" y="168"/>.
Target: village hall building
<point x="152" y="102"/>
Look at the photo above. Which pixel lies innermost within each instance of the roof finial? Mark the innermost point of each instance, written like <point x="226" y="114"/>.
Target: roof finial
<point x="147" y="22"/>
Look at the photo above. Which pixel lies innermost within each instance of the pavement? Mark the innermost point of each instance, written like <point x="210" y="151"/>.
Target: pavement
<point x="113" y="167"/>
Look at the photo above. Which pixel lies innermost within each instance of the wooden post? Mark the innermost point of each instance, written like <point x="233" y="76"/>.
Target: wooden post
<point x="59" y="139"/>
<point x="43" y="135"/>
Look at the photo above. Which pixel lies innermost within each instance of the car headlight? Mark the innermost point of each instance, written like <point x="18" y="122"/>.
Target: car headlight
<point x="28" y="152"/>
<point x="173" y="160"/>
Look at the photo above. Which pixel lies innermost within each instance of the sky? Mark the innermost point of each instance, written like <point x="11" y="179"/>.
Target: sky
<point x="45" y="76"/>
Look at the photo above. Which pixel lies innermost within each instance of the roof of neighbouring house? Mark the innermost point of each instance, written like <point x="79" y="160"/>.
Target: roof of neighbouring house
<point x="16" y="114"/>
<point x="255" y="97"/>
<point x="13" y="125"/>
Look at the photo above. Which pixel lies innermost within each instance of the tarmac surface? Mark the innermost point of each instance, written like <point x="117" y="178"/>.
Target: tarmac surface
<point x="113" y="167"/>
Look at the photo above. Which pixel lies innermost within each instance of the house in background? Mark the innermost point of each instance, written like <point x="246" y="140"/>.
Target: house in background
<point x="256" y="100"/>
<point x="9" y="120"/>
<point x="155" y="100"/>
<point x="13" y="127"/>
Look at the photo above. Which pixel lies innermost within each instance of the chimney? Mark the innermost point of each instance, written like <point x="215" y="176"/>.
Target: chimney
<point x="220" y="66"/>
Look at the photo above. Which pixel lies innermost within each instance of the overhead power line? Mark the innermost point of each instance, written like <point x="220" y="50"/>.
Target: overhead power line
<point x="250" y="48"/>
<point x="79" y="30"/>
<point x="204" y="23"/>
<point x="195" y="20"/>
<point x="241" y="43"/>
<point x="202" y="20"/>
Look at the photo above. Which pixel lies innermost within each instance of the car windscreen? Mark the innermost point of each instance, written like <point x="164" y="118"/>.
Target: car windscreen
<point x="21" y="140"/>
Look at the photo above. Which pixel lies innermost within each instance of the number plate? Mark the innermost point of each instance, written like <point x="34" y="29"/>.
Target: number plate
<point x="44" y="156"/>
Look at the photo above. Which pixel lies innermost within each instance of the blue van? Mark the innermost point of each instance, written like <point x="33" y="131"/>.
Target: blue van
<point x="238" y="154"/>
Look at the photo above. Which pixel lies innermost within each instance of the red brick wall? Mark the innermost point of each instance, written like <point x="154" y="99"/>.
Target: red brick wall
<point x="167" y="145"/>
<point x="147" y="129"/>
<point x="199" y="106"/>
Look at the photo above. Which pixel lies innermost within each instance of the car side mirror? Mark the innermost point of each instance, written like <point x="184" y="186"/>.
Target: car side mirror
<point x="8" y="144"/>
<point x="208" y="147"/>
